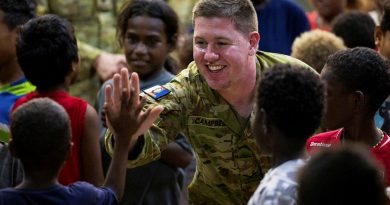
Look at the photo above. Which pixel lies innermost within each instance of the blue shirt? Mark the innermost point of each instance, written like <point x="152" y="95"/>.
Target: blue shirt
<point x="280" y="22"/>
<point x="77" y="193"/>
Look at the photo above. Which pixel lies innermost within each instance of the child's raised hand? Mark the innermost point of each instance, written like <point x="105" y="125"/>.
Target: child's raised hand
<point x="123" y="108"/>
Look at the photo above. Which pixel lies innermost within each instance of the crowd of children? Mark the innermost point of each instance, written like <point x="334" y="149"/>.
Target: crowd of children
<point x="264" y="128"/>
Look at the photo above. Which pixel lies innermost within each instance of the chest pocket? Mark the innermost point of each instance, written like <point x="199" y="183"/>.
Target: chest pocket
<point x="210" y="136"/>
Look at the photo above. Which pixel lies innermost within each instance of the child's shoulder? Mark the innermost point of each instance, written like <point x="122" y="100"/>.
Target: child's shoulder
<point x="323" y="140"/>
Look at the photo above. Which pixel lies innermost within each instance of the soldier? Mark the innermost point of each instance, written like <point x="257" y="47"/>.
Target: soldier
<point x="211" y="102"/>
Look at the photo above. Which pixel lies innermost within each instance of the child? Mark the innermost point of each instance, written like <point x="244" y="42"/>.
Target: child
<point x="41" y="139"/>
<point x="358" y="81"/>
<point x="347" y="175"/>
<point x="147" y="31"/>
<point x="289" y="107"/>
<point x="47" y="53"/>
<point x="13" y="84"/>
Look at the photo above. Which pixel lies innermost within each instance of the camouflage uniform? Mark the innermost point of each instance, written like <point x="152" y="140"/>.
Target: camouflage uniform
<point x="229" y="164"/>
<point x="94" y="22"/>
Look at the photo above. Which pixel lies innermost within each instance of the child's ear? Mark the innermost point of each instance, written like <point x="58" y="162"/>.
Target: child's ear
<point x="12" y="149"/>
<point x="69" y="151"/>
<point x="378" y="35"/>
<point x="359" y="99"/>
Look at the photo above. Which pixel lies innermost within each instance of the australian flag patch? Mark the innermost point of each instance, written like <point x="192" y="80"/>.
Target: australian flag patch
<point x="157" y="92"/>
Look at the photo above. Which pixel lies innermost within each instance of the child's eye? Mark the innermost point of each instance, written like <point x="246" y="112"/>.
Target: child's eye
<point x="131" y="40"/>
<point x="152" y="42"/>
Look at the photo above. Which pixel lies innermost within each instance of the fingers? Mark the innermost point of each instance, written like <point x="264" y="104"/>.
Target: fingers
<point x="151" y="115"/>
<point x="125" y="84"/>
<point x="141" y="105"/>
<point x="117" y="90"/>
<point x="108" y="95"/>
<point x="135" y="88"/>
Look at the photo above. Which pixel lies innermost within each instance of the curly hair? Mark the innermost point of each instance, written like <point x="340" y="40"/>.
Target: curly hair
<point x="314" y="47"/>
<point x="46" y="49"/>
<point x="293" y="99"/>
<point x="17" y="12"/>
<point x="349" y="174"/>
<point x="356" y="28"/>
<point x="41" y="133"/>
<point x="361" y="69"/>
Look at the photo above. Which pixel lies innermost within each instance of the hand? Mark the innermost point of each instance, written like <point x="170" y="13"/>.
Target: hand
<point x="107" y="64"/>
<point x="123" y="108"/>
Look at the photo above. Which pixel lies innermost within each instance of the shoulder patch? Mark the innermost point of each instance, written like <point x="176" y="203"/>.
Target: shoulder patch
<point x="157" y="92"/>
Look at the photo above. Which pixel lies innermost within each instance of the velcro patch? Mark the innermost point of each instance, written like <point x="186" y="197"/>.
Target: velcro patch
<point x="157" y="92"/>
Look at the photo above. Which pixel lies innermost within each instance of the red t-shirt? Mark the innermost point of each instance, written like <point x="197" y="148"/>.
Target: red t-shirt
<point x="76" y="109"/>
<point x="328" y="139"/>
<point x="313" y="17"/>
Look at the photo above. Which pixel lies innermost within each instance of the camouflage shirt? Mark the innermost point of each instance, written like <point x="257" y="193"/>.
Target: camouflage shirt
<point x="229" y="165"/>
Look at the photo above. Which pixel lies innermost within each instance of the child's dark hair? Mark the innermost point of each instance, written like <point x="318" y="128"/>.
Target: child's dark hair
<point x="361" y="69"/>
<point x="293" y="99"/>
<point x="17" y="12"/>
<point x="346" y="175"/>
<point x="46" y="49"/>
<point x="356" y="28"/>
<point x="385" y="19"/>
<point x="41" y="134"/>
<point x="152" y="8"/>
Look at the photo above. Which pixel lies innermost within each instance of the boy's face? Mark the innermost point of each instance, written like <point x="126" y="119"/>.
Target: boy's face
<point x="384" y="44"/>
<point x="221" y="52"/>
<point x="145" y="44"/>
<point x="339" y="102"/>
<point x="7" y="43"/>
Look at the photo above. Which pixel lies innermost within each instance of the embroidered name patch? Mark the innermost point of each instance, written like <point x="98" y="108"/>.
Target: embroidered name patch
<point x="157" y="92"/>
<point x="208" y="122"/>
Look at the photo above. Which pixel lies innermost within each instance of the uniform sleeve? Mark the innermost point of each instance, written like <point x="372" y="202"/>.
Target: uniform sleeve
<point x="165" y="129"/>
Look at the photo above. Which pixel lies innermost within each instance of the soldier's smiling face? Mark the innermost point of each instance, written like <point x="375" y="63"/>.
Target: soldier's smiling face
<point x="146" y="45"/>
<point x="221" y="52"/>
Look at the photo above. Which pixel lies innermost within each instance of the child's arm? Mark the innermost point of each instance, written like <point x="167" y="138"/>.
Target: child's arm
<point x="127" y="121"/>
<point x="91" y="163"/>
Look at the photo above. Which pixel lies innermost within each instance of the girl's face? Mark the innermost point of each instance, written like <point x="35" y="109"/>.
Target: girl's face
<point x="145" y="45"/>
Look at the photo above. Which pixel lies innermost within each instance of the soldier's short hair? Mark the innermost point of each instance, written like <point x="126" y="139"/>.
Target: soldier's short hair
<point x="17" y="12"/>
<point x="240" y="12"/>
<point x="46" y="49"/>
<point x="41" y="134"/>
